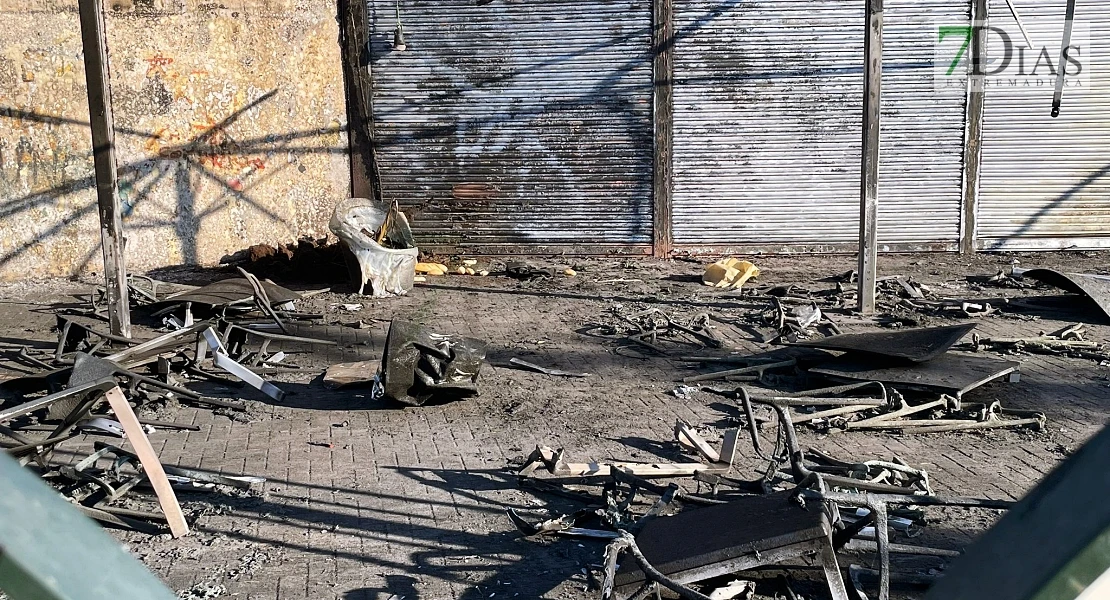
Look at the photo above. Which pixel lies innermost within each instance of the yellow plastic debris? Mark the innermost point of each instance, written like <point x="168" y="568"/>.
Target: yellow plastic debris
<point x="435" y="269"/>
<point x="570" y="272"/>
<point x="729" y="273"/>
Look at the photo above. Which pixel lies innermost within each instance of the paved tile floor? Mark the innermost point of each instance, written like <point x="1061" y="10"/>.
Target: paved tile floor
<point x="366" y="501"/>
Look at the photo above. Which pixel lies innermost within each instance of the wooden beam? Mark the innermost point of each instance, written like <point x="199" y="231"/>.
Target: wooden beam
<point x="869" y="186"/>
<point x="104" y="160"/>
<point x="686" y="436"/>
<point x="973" y="136"/>
<point x="151" y="465"/>
<point x="663" y="75"/>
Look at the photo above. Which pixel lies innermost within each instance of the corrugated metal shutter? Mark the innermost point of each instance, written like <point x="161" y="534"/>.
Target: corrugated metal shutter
<point x="516" y="124"/>
<point x="1045" y="183"/>
<point x="768" y="124"/>
<point x="921" y="156"/>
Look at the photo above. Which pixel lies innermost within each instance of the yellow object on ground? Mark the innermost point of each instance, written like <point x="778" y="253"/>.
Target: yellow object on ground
<point x="570" y="272"/>
<point x="431" y="269"/>
<point x="729" y="273"/>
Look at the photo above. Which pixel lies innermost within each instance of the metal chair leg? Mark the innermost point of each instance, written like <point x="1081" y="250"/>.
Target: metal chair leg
<point x="832" y="572"/>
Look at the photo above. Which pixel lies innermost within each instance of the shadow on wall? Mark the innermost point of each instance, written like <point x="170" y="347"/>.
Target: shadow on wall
<point x="186" y="164"/>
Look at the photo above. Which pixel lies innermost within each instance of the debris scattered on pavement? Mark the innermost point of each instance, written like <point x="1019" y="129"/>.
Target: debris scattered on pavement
<point x="731" y="273"/>
<point x="379" y="237"/>
<point x="545" y="370"/>
<point x="523" y="270"/>
<point x="363" y="372"/>
<point x="1095" y="287"/>
<point x="419" y="364"/>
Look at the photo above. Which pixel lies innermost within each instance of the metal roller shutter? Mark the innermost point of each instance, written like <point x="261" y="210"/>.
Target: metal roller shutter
<point x="517" y="124"/>
<point x="921" y="154"/>
<point x="768" y="119"/>
<point x="1045" y="183"/>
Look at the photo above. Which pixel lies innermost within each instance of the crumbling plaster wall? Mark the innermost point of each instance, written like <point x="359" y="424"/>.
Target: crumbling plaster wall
<point x="230" y="130"/>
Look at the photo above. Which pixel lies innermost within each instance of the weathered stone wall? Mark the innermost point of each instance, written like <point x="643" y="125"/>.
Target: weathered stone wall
<point x="230" y="130"/>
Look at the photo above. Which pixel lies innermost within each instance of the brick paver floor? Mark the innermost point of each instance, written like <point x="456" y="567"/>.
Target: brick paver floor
<point x="366" y="501"/>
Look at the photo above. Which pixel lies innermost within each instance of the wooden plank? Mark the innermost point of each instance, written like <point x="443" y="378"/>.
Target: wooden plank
<point x="662" y="185"/>
<point x="683" y="431"/>
<point x="104" y="162"/>
<point x="973" y="136"/>
<point x="151" y="465"/>
<point x="869" y="185"/>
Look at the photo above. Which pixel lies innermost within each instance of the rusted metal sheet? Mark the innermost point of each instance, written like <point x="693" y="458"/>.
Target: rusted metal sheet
<point x="1045" y="182"/>
<point x="1095" y="287"/>
<point x="516" y="123"/>
<point x="768" y="124"/>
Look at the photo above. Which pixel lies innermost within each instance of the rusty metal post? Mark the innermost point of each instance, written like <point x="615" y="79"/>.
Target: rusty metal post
<point x="973" y="143"/>
<point x="869" y="187"/>
<point x="104" y="161"/>
<point x="663" y="69"/>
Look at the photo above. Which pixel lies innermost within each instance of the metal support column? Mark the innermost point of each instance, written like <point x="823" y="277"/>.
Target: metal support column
<point x="869" y="188"/>
<point x="104" y="161"/>
<point x="973" y="143"/>
<point x="663" y="47"/>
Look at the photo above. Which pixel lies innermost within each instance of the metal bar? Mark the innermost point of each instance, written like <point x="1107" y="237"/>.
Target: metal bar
<point x="868" y="545"/>
<point x="906" y="410"/>
<point x="128" y="353"/>
<point x="972" y="425"/>
<point x="833" y="412"/>
<point x="869" y="185"/>
<point x="663" y="74"/>
<point x="24" y="448"/>
<point x="909" y="500"/>
<point x="973" y="134"/>
<point x="33" y="405"/>
<point x="1020" y="24"/>
<point x="518" y="249"/>
<point x="882" y="540"/>
<point x="1061" y="73"/>
<point x="133" y="514"/>
<point x="104" y="162"/>
<point x="846" y="248"/>
<point x="120" y="521"/>
<point x="742" y="371"/>
<point x="808" y="401"/>
<point x="239" y="481"/>
<point x="913" y="424"/>
<point x="280" y="337"/>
